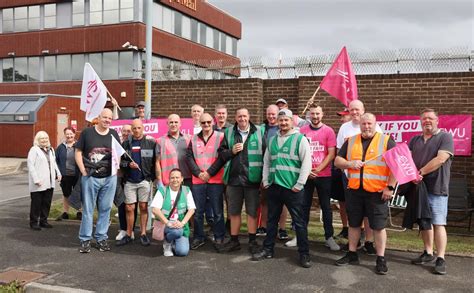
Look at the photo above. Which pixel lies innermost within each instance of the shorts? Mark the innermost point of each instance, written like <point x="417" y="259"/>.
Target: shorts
<point x="337" y="185"/>
<point x="360" y="204"/>
<point x="134" y="191"/>
<point x="67" y="184"/>
<point x="236" y="196"/>
<point x="439" y="209"/>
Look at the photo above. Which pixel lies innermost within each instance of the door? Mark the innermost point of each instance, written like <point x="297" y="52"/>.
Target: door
<point x="61" y="123"/>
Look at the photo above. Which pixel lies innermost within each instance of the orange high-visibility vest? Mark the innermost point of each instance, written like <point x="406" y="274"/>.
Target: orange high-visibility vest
<point x="206" y="154"/>
<point x="169" y="157"/>
<point x="375" y="171"/>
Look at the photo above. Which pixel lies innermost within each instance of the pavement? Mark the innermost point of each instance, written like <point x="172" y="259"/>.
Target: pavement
<point x="54" y="253"/>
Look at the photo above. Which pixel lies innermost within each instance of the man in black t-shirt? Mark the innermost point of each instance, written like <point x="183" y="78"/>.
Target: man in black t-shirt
<point x="94" y="160"/>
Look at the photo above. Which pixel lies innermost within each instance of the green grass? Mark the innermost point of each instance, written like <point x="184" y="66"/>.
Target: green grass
<point x="13" y="287"/>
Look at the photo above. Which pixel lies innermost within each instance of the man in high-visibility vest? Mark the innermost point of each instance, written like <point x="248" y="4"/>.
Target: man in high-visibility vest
<point x="370" y="186"/>
<point x="207" y="173"/>
<point x="286" y="167"/>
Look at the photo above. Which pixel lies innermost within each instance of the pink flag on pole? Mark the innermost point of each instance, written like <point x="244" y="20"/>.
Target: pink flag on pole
<point x="117" y="152"/>
<point x="340" y="81"/>
<point x="93" y="93"/>
<point x="400" y="163"/>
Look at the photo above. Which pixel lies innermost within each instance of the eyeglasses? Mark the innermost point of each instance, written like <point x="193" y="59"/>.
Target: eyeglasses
<point x="206" y="122"/>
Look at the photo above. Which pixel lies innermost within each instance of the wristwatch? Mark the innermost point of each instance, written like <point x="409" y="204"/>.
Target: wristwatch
<point x="391" y="188"/>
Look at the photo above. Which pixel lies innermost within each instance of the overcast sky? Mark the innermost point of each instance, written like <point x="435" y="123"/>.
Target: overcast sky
<point x="312" y="27"/>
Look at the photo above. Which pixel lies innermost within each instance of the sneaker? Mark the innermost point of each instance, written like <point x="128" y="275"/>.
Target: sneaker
<point x="254" y="247"/>
<point x="124" y="241"/>
<point x="424" y="258"/>
<point x="381" y="266"/>
<point x="132" y="236"/>
<point x="331" y="243"/>
<point x="167" y="248"/>
<point x="305" y="261"/>
<point x="79" y="216"/>
<point x="369" y="248"/>
<point x="282" y="234"/>
<point x="350" y="258"/>
<point x="103" y="246"/>
<point x="440" y="266"/>
<point x="144" y="240"/>
<point x="261" y="255"/>
<point x="85" y="247"/>
<point x="262" y="231"/>
<point x="35" y="227"/>
<point x="230" y="246"/>
<point x="344" y="233"/>
<point x="291" y="243"/>
<point x="46" y="225"/>
<point x="120" y="235"/>
<point x="197" y="243"/>
<point x="63" y="216"/>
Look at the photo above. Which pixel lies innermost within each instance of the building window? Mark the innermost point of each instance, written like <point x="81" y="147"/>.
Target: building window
<point x="215" y="43"/>
<point x="194" y="30"/>
<point x="50" y="16"/>
<point x="178" y="22"/>
<point x="95" y="14"/>
<point x="34" y="17"/>
<point x="77" y="66"/>
<point x="157" y="16"/>
<point x="223" y="42"/>
<point x="186" y="28"/>
<point x="209" y="37"/>
<point x="96" y="61"/>
<point x="33" y="69"/>
<point x="111" y="11"/>
<point x="21" y="19"/>
<point x="126" y="65"/>
<point x="78" y="13"/>
<point x="202" y="34"/>
<point x="234" y="47"/>
<point x="63" y="67"/>
<point x="21" y="69"/>
<point x="126" y="10"/>
<point x="228" y="45"/>
<point x="49" y="68"/>
<point x="8" y="20"/>
<point x="110" y="65"/>
<point x="7" y="70"/>
<point x="167" y="20"/>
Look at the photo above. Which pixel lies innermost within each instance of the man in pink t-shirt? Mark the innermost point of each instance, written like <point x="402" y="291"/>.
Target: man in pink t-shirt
<point x="322" y="141"/>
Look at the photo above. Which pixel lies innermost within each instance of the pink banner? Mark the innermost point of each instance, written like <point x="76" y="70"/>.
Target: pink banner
<point x="400" y="163"/>
<point x="156" y="127"/>
<point x="403" y="128"/>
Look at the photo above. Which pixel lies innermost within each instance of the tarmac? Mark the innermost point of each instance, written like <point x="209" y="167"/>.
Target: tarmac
<point x="53" y="253"/>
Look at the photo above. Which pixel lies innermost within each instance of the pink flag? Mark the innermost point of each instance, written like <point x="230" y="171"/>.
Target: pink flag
<point x="400" y="163"/>
<point x="340" y="81"/>
<point x="93" y="93"/>
<point x="117" y="152"/>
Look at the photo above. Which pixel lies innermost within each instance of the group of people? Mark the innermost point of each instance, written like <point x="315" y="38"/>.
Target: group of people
<point x="269" y="168"/>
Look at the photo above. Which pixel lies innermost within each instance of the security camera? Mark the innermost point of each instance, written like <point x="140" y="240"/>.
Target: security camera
<point x="126" y="45"/>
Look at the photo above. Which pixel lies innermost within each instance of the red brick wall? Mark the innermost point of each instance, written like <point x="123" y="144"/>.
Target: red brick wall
<point x="408" y="94"/>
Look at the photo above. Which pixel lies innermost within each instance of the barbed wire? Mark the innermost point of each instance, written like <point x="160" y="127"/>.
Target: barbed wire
<point x="401" y="61"/>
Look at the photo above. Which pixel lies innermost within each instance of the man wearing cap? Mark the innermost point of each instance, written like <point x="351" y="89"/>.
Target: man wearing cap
<point x="297" y="121"/>
<point x="139" y="110"/>
<point x="287" y="165"/>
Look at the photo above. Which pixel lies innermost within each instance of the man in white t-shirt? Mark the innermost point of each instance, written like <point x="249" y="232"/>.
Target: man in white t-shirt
<point x="349" y="129"/>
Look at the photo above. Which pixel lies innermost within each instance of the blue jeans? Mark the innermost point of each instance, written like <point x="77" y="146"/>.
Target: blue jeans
<point x="102" y="192"/>
<point x="214" y="192"/>
<point x="181" y="243"/>
<point x="278" y="196"/>
<point x="323" y="187"/>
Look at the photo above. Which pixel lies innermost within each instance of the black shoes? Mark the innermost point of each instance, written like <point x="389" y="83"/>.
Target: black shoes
<point x="283" y="234"/>
<point x="125" y="240"/>
<point x="381" y="266"/>
<point x="230" y="246"/>
<point x="305" y="261"/>
<point x="85" y="246"/>
<point x="440" y="266"/>
<point x="79" y="216"/>
<point x="145" y="241"/>
<point x="424" y="258"/>
<point x="369" y="248"/>
<point x="350" y="258"/>
<point x="35" y="227"/>
<point x="197" y="243"/>
<point x="46" y="225"/>
<point x="344" y="233"/>
<point x="262" y="231"/>
<point x="63" y="216"/>
<point x="103" y="246"/>
<point x="254" y="247"/>
<point x="261" y="255"/>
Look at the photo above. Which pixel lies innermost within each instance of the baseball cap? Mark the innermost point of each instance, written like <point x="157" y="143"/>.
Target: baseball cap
<point x="343" y="112"/>
<point x="280" y="100"/>
<point x="140" y="104"/>
<point x="285" y="112"/>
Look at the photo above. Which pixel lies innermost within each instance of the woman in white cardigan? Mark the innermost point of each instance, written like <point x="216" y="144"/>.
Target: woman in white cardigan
<point x="42" y="173"/>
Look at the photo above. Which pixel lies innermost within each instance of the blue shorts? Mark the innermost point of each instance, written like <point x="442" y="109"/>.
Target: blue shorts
<point x="439" y="209"/>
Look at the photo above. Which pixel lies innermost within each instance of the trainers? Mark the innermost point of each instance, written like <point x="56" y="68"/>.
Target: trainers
<point x="132" y="236"/>
<point x="282" y="234"/>
<point x="440" y="266"/>
<point x="167" y="248"/>
<point x="305" y="261"/>
<point x="79" y="216"/>
<point x="262" y="231"/>
<point x="63" y="216"/>
<point x="350" y="258"/>
<point x="120" y="235"/>
<point x="424" y="258"/>
<point x="291" y="243"/>
<point x="331" y="243"/>
<point x="125" y="240"/>
<point x="344" y="233"/>
<point x="103" y="246"/>
<point x="144" y="240"/>
<point x="254" y="247"/>
<point x="197" y="243"/>
<point x="381" y="266"/>
<point x="85" y="247"/>
<point x="369" y="248"/>
<point x="46" y="225"/>
<point x="261" y="255"/>
<point x="230" y="246"/>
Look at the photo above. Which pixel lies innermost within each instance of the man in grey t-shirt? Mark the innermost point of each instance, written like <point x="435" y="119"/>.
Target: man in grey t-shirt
<point x="432" y="152"/>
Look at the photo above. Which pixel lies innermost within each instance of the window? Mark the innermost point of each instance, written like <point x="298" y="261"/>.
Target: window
<point x="126" y="10"/>
<point x="63" y="67"/>
<point x="7" y="70"/>
<point x="215" y="43"/>
<point x="110" y="65"/>
<point x="178" y="19"/>
<point x="209" y="37"/>
<point x="77" y="66"/>
<point x="49" y="68"/>
<point x="50" y="16"/>
<point x="95" y="14"/>
<point x="34" y="17"/>
<point x="234" y="47"/>
<point x="21" y="19"/>
<point x="194" y="30"/>
<point x="21" y="69"/>
<point x="223" y="42"/>
<point x="202" y="34"/>
<point x="96" y="61"/>
<point x="8" y="20"/>
<point x="228" y="47"/>
<point x="33" y="69"/>
<point x="167" y="20"/>
<point x="78" y="13"/>
<point x="126" y="65"/>
<point x="111" y="11"/>
<point x="186" y="28"/>
<point x="157" y="16"/>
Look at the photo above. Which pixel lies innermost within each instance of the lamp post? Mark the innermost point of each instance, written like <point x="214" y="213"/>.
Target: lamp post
<point x="149" y="51"/>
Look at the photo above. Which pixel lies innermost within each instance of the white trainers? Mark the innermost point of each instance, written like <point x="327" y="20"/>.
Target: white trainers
<point x="120" y="235"/>
<point x="167" y="249"/>
<point x="291" y="243"/>
<point x="331" y="243"/>
<point x="133" y="235"/>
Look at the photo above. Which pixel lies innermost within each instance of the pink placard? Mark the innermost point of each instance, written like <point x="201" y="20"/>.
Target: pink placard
<point x="156" y="127"/>
<point x="403" y="128"/>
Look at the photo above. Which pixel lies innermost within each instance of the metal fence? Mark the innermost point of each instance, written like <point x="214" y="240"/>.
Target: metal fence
<point x="458" y="59"/>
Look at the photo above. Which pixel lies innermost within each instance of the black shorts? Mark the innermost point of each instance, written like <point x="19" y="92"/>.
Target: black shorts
<point x="360" y="204"/>
<point x="235" y="198"/>
<point x="337" y="185"/>
<point x="67" y="184"/>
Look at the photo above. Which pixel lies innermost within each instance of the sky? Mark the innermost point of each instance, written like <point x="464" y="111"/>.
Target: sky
<point x="311" y="27"/>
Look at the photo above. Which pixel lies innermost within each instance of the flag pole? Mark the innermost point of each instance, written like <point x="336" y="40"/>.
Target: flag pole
<point x="311" y="100"/>
<point x="132" y="160"/>
<point x="113" y="99"/>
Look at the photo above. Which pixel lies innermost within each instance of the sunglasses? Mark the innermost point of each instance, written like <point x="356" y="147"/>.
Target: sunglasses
<point x="206" y="122"/>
